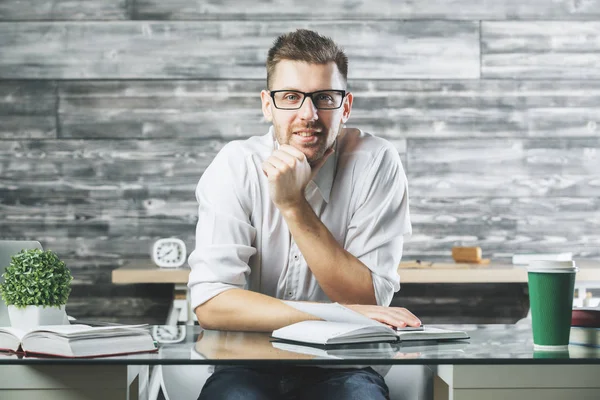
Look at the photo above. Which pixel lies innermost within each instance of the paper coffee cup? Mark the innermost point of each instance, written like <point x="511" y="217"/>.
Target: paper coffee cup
<point x="551" y="285"/>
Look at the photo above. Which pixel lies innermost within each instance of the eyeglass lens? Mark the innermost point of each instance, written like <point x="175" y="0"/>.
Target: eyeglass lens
<point x="294" y="100"/>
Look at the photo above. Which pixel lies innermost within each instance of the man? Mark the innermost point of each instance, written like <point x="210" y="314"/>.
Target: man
<point x="311" y="211"/>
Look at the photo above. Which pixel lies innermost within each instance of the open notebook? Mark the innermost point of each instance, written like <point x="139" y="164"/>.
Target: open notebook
<point x="326" y="333"/>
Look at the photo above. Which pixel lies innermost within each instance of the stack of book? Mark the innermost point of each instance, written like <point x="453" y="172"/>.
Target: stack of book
<point x="585" y="326"/>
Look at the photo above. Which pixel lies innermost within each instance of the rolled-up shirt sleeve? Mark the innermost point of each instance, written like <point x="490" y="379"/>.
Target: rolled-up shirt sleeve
<point x="381" y="222"/>
<point x="224" y="234"/>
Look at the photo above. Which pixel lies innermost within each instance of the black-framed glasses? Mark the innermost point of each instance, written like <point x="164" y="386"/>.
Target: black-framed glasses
<point x="322" y="99"/>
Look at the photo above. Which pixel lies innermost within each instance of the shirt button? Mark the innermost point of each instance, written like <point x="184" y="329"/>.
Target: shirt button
<point x="295" y="257"/>
<point x="289" y="293"/>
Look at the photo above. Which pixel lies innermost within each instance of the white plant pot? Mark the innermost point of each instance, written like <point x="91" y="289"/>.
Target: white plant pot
<point x="31" y="317"/>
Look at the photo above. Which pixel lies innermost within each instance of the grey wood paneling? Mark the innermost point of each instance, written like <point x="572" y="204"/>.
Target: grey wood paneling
<point x="510" y="167"/>
<point x="389" y="108"/>
<point x="504" y="225"/>
<point x="27" y="109"/>
<point x="104" y="168"/>
<point x="134" y="204"/>
<point x="476" y="108"/>
<point x="363" y="9"/>
<point x="11" y="10"/>
<point x="161" y="109"/>
<point x="229" y="49"/>
<point x="104" y="229"/>
<point x="101" y="200"/>
<point x="540" y="49"/>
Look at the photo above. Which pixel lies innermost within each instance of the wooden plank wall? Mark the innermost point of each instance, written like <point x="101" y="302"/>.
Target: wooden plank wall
<point x="110" y="110"/>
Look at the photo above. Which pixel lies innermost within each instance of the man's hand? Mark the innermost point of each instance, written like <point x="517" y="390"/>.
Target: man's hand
<point x="393" y="316"/>
<point x="288" y="172"/>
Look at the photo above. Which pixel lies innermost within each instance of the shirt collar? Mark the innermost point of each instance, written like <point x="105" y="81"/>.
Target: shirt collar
<point x="324" y="178"/>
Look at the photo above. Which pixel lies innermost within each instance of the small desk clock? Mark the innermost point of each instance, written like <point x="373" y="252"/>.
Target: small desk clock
<point x="169" y="252"/>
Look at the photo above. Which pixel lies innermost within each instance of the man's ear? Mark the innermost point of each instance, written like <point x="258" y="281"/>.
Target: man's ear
<point x="266" y="100"/>
<point x="347" y="106"/>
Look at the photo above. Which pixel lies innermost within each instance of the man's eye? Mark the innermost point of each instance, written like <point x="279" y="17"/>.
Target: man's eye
<point x="291" y="97"/>
<point x="325" y="97"/>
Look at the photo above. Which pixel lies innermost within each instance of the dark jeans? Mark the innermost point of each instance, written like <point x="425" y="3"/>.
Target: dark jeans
<point x="293" y="383"/>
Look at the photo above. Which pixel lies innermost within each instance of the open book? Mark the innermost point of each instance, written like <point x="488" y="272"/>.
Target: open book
<point x="77" y="340"/>
<point x="342" y="325"/>
<point x="324" y="333"/>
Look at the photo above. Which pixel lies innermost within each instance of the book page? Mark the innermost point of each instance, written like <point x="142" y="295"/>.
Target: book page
<point x="322" y="332"/>
<point x="18" y="333"/>
<point x="10" y="338"/>
<point x="85" y="331"/>
<point x="333" y="312"/>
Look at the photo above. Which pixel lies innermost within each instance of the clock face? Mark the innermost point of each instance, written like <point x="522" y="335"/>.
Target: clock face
<point x="169" y="252"/>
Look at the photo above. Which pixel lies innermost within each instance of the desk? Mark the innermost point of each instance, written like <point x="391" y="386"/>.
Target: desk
<point x="497" y="363"/>
<point x="69" y="380"/>
<point x="143" y="271"/>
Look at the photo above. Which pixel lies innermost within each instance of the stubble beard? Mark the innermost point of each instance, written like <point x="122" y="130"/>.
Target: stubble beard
<point x="313" y="152"/>
<point x="321" y="146"/>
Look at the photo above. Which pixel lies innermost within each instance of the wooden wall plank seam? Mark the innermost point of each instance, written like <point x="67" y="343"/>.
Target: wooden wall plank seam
<point x="541" y="50"/>
<point x="28" y="109"/>
<point x="368" y="9"/>
<point x="229" y="50"/>
<point x="62" y="10"/>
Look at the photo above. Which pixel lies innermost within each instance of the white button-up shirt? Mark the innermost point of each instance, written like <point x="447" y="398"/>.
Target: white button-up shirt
<point x="242" y="240"/>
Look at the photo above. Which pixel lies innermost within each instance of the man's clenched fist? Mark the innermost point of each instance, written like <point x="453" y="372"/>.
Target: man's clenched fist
<point x="288" y="172"/>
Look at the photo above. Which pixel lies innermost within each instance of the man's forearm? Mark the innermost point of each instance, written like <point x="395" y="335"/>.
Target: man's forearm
<point x="343" y="277"/>
<point x="244" y="310"/>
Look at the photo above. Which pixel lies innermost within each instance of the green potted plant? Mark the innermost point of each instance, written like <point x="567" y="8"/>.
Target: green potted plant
<point x="36" y="287"/>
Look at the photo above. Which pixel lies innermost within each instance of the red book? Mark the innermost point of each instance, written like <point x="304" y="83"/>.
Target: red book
<point x="586" y="316"/>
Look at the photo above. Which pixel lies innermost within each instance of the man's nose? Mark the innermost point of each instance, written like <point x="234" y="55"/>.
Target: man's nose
<point x="308" y="111"/>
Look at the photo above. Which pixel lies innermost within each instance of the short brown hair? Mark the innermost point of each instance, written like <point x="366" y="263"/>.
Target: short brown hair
<point x="308" y="46"/>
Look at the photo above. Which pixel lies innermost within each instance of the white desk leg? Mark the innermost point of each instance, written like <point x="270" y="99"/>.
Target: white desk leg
<point x="173" y="314"/>
<point x="137" y="382"/>
<point x="178" y="312"/>
<point x="180" y="307"/>
<point x="190" y="317"/>
<point x="155" y="382"/>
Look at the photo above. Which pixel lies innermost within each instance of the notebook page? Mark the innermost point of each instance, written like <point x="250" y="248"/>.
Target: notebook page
<point x="333" y="312"/>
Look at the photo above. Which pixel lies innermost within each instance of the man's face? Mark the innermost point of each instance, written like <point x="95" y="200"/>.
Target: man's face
<point x="308" y="129"/>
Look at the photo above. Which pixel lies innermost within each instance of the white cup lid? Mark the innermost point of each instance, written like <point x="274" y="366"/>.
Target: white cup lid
<point x="542" y="264"/>
<point x="553" y="270"/>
